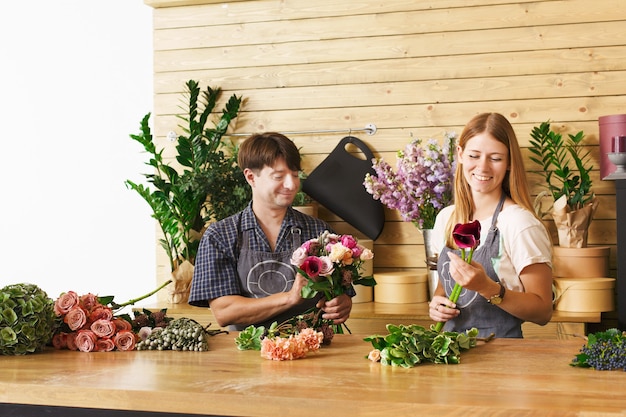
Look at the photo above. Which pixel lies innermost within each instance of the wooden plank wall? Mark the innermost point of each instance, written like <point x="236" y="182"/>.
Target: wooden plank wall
<point x="412" y="68"/>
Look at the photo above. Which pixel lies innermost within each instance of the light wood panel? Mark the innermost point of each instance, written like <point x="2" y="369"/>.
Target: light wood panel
<point x="414" y="69"/>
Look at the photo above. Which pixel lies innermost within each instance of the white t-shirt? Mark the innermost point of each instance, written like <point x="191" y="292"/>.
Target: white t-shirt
<point x="523" y="241"/>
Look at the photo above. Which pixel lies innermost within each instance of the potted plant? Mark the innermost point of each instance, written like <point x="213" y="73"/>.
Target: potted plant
<point x="565" y="167"/>
<point x="206" y="185"/>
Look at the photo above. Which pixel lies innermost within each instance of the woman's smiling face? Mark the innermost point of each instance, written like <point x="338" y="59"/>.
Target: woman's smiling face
<point x="485" y="162"/>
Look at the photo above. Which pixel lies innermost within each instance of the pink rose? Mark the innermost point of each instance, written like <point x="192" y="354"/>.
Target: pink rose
<point x="65" y="303"/>
<point x="310" y="246"/>
<point x="298" y="256"/>
<point x="348" y="241"/>
<point x="71" y="341"/>
<point x="86" y="340"/>
<point x="59" y="340"/>
<point x="121" y="324"/>
<point x="125" y="340"/>
<point x="104" y="345"/>
<point x="100" y="312"/>
<point x="327" y="267"/>
<point x="374" y="355"/>
<point x="89" y="301"/>
<point x="75" y="318"/>
<point x="367" y="254"/>
<point x="103" y="328"/>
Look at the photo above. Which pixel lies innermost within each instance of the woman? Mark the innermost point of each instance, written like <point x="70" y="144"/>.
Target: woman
<point x="509" y="280"/>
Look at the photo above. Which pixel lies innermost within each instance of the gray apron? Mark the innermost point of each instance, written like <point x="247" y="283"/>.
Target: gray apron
<point x="475" y="311"/>
<point x="265" y="273"/>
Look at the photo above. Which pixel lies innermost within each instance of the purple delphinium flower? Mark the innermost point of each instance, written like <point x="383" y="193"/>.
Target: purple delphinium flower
<point x="422" y="183"/>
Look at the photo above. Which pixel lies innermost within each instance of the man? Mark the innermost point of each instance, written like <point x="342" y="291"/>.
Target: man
<point x="242" y="269"/>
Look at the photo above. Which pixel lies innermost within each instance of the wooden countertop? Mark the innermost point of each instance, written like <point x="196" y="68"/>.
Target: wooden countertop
<point x="372" y="317"/>
<point x="505" y="377"/>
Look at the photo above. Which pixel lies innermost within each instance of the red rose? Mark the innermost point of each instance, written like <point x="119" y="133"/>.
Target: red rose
<point x="103" y="328"/>
<point x="65" y="303"/>
<point x="104" y="345"/>
<point x="75" y="318"/>
<point x="86" y="340"/>
<point x="125" y="340"/>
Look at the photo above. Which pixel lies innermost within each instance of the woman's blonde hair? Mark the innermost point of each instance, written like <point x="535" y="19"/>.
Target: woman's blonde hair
<point x="515" y="183"/>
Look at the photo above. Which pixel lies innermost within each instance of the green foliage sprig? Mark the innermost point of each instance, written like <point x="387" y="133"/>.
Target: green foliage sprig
<point x="210" y="185"/>
<point x="411" y="345"/>
<point x="554" y="155"/>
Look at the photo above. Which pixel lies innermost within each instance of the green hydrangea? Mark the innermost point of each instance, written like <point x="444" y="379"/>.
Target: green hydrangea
<point x="27" y="319"/>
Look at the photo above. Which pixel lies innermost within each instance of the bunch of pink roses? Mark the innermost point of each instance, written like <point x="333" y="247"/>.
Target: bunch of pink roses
<point x="88" y="325"/>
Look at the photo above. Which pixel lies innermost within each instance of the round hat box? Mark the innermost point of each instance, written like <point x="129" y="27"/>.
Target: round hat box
<point x="589" y="262"/>
<point x="584" y="295"/>
<point x="401" y="287"/>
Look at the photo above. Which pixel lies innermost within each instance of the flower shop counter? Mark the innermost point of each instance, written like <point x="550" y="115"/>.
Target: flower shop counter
<point x="372" y="317"/>
<point x="527" y="377"/>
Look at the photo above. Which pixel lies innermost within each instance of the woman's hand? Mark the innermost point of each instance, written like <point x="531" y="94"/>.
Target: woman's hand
<point x="442" y="309"/>
<point x="469" y="276"/>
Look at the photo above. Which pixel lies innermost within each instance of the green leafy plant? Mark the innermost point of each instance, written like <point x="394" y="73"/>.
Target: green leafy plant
<point x="302" y="198"/>
<point x="250" y="338"/>
<point x="565" y="165"/>
<point x="410" y="345"/>
<point x="27" y="319"/>
<point x="208" y="184"/>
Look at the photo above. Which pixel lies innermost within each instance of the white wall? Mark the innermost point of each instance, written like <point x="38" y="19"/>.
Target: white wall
<point x="76" y="80"/>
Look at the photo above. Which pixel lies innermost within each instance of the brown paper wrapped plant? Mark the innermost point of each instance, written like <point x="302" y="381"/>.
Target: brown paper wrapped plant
<point x="565" y="167"/>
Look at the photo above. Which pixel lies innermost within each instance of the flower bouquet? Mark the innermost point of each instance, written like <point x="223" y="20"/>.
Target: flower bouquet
<point x="422" y="183"/>
<point x="332" y="264"/>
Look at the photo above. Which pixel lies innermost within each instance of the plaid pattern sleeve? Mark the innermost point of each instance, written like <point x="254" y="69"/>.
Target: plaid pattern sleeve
<point x="215" y="268"/>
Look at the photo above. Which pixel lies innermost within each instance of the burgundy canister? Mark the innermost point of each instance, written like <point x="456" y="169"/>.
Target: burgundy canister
<point x="610" y="126"/>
